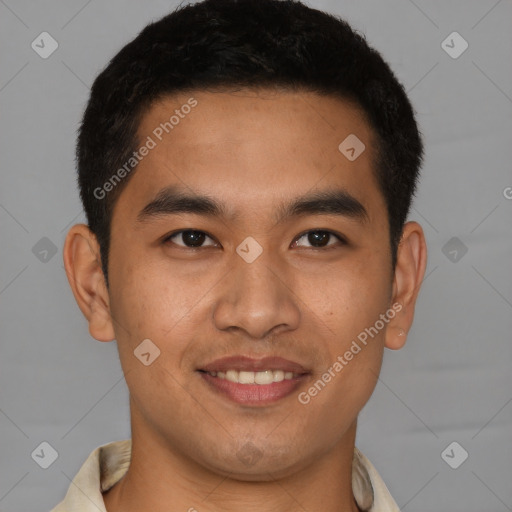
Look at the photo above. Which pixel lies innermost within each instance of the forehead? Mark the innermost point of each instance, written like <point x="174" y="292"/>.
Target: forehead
<point x="253" y="149"/>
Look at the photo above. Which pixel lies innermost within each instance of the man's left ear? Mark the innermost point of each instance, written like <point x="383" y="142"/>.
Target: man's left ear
<point x="409" y="272"/>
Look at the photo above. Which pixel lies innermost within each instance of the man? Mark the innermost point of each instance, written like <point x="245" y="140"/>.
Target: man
<point x="246" y="168"/>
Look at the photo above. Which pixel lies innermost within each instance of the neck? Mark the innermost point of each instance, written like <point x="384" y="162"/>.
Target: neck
<point x="160" y="477"/>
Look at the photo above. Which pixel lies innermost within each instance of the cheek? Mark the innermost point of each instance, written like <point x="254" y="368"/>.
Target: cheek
<point x="349" y="297"/>
<point x="148" y="299"/>
<point x="349" y="304"/>
<point x="155" y="301"/>
<point x="147" y="306"/>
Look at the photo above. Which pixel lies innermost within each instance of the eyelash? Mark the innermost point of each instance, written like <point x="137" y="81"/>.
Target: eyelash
<point x="341" y="239"/>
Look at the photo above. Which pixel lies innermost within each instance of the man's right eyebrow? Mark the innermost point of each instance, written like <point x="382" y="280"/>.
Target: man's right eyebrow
<point x="335" y="201"/>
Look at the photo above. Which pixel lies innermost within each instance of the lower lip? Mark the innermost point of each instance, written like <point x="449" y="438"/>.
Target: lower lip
<point x="254" y="394"/>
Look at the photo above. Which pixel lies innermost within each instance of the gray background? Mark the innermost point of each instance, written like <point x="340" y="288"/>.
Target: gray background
<point x="452" y="381"/>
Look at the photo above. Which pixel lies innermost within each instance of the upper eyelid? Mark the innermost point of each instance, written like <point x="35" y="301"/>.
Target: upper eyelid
<point x="320" y="230"/>
<point x="170" y="235"/>
<point x="340" y="238"/>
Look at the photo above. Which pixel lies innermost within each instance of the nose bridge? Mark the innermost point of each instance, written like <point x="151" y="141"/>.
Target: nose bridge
<point x="256" y="298"/>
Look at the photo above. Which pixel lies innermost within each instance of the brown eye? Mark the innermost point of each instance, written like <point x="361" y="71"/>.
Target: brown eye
<point x="188" y="238"/>
<point x="318" y="239"/>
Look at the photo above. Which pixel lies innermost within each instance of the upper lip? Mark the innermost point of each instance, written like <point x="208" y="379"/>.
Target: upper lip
<point x="248" y="364"/>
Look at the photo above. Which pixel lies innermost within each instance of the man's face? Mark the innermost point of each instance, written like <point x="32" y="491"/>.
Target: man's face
<point x="205" y="294"/>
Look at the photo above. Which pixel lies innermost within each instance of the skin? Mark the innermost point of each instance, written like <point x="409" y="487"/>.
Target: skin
<point x="251" y="150"/>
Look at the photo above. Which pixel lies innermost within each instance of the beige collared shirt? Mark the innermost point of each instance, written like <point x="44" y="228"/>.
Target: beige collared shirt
<point x="108" y="463"/>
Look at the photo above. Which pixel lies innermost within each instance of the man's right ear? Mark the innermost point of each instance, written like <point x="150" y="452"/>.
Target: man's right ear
<point x="82" y="261"/>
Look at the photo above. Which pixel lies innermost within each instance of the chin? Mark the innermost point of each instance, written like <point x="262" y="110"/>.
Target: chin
<point x="251" y="464"/>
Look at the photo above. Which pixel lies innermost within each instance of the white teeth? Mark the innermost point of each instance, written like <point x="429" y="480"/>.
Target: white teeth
<point x="278" y="375"/>
<point x="264" y="377"/>
<point x="246" y="377"/>
<point x="231" y="375"/>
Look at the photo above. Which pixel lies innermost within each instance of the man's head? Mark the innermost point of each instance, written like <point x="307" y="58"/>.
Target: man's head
<point x="259" y="222"/>
<point x="225" y="44"/>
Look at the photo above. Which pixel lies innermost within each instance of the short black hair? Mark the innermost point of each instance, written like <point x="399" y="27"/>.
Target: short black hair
<point x="226" y="45"/>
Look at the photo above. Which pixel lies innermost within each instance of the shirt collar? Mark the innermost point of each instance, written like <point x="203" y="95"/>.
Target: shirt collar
<point x="108" y="463"/>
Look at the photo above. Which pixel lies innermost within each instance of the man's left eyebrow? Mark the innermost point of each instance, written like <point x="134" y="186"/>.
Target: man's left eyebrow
<point x="173" y="200"/>
<point x="339" y="202"/>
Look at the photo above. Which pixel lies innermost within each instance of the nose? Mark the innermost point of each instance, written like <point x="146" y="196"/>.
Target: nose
<point x="256" y="298"/>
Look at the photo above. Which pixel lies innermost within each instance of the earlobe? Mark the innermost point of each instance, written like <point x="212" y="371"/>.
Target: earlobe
<point x="409" y="273"/>
<point x="395" y="337"/>
<point x="82" y="262"/>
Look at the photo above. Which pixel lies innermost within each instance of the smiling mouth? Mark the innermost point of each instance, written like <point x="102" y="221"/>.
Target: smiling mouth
<point x="261" y="378"/>
<point x="257" y="389"/>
